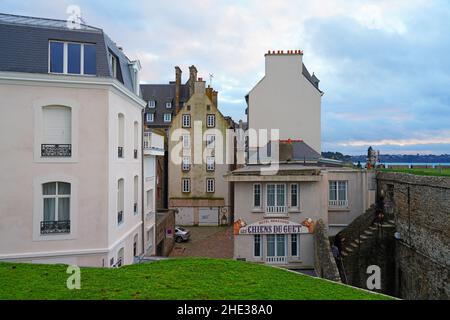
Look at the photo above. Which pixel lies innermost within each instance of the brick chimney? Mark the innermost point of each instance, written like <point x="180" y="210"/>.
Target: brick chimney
<point x="177" y="88"/>
<point x="192" y="79"/>
<point x="214" y="98"/>
<point x="209" y="92"/>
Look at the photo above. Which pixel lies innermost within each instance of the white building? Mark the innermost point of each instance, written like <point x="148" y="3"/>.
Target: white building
<point x="70" y="138"/>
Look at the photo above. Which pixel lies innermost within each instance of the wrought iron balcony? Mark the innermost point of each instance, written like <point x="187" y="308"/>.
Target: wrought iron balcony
<point x="119" y="217"/>
<point x="276" y="209"/>
<point x="55" y="227"/>
<point x="56" y="150"/>
<point x="120" y="152"/>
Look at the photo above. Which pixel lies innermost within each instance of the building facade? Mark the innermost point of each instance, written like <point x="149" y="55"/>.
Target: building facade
<point x="71" y="139"/>
<point x="198" y="160"/>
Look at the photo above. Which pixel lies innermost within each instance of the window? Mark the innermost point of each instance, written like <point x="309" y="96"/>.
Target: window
<point x="186" y="120"/>
<point x="56" y="215"/>
<point x="257" y="195"/>
<point x="136" y="140"/>
<point x="186" y="164"/>
<point x="135" y="245"/>
<point x="276" y="245"/>
<point x="113" y="64"/>
<point x="211" y="120"/>
<point x="294" y="195"/>
<point x="210" y="185"/>
<point x="186" y="138"/>
<point x="338" y="194"/>
<point x="257" y="245"/>
<point x="210" y="141"/>
<point x="210" y="164"/>
<point x="121" y="135"/>
<point x="294" y="245"/>
<point x="276" y="198"/>
<point x="186" y="185"/>
<point x="151" y="103"/>
<point x="150" y="117"/>
<point x="167" y="117"/>
<point x="168" y="105"/>
<point x="72" y="58"/>
<point x="136" y="194"/>
<point x="57" y="132"/>
<point x="149" y="199"/>
<point x="120" y="201"/>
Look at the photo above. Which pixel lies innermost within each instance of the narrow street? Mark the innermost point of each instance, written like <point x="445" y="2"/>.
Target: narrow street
<point x="211" y="242"/>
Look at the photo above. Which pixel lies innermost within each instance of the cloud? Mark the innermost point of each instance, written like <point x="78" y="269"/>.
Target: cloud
<point x="383" y="64"/>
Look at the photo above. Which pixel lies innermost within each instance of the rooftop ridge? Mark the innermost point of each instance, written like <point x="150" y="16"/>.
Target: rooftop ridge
<point x="42" y="22"/>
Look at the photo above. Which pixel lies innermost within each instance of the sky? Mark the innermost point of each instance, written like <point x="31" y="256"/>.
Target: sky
<point x="384" y="65"/>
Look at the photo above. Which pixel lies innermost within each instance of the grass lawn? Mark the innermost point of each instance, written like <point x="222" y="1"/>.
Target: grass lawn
<point x="421" y="172"/>
<point x="189" y="278"/>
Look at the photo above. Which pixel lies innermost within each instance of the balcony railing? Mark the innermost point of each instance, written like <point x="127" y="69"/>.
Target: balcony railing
<point x="135" y="153"/>
<point x="120" y="152"/>
<point x="119" y="217"/>
<point x="338" y="203"/>
<point x="276" y="209"/>
<point x="135" y="208"/>
<point x="56" y="150"/>
<point x="280" y="259"/>
<point x="55" y="227"/>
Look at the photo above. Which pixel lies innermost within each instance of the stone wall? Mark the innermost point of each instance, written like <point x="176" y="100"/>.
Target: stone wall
<point x="325" y="264"/>
<point x="165" y="232"/>
<point x="421" y="207"/>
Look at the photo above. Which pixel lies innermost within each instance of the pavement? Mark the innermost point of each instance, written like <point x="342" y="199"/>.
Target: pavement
<point x="211" y="242"/>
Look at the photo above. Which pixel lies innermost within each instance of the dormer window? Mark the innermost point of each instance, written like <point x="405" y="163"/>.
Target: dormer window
<point x="151" y="103"/>
<point x="113" y="64"/>
<point x="72" y="58"/>
<point x="168" y="105"/>
<point x="167" y="117"/>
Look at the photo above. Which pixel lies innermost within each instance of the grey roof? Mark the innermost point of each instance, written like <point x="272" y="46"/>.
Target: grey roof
<point x="313" y="79"/>
<point x="297" y="150"/>
<point x="24" y="45"/>
<point x="162" y="93"/>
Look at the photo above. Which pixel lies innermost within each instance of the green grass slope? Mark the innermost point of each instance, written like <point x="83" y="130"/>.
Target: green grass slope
<point x="191" y="278"/>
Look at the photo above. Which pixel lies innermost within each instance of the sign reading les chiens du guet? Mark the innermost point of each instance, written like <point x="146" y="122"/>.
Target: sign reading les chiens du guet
<point x="273" y="226"/>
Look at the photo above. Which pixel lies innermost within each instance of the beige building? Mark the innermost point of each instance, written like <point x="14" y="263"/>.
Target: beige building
<point x="197" y="161"/>
<point x="275" y="214"/>
<point x="70" y="122"/>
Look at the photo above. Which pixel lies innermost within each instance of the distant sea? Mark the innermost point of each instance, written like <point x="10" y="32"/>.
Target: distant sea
<point x="434" y="164"/>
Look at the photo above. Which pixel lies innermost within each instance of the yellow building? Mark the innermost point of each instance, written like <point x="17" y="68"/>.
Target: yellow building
<point x="198" y="161"/>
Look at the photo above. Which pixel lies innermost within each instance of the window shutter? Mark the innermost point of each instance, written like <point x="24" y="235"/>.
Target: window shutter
<point x="57" y="125"/>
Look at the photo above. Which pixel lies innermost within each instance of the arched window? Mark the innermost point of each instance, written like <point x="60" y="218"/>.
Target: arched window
<point x="56" y="132"/>
<point x="120" y="201"/>
<point x="135" y="245"/>
<point x="120" y="256"/>
<point x="56" y="208"/>
<point x="121" y="135"/>
<point x="136" y="139"/>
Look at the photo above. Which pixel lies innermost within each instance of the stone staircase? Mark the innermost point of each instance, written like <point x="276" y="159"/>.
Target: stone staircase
<point x="351" y="247"/>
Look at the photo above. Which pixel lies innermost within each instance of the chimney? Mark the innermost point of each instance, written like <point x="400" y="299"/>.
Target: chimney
<point x="214" y="98"/>
<point x="177" y="88"/>
<point x="209" y="92"/>
<point x="192" y="79"/>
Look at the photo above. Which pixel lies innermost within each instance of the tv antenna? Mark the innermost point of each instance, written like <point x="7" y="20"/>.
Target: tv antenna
<point x="211" y="76"/>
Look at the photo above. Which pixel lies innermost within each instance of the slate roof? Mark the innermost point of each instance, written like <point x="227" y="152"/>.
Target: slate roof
<point x="311" y="78"/>
<point x="162" y="93"/>
<point x="24" y="46"/>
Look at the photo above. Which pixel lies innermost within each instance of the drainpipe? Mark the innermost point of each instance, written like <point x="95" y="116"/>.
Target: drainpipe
<point x="142" y="181"/>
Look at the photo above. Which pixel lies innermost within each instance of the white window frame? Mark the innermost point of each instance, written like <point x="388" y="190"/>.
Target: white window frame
<point x="210" y="163"/>
<point x="276" y="208"/>
<point x="338" y="202"/>
<point x="260" y="195"/>
<point x="210" y="120"/>
<point x="167" y="117"/>
<point x="186" y="185"/>
<point x="297" y="206"/>
<point x="186" y="120"/>
<point x="210" y="185"/>
<point x="186" y="140"/>
<point x="168" y="105"/>
<point x="186" y="163"/>
<point x="150" y="117"/>
<point x="210" y="141"/>
<point x="151" y="104"/>
<point x="56" y="196"/>
<point x="260" y="237"/>
<point x="66" y="58"/>
<point x="297" y="245"/>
